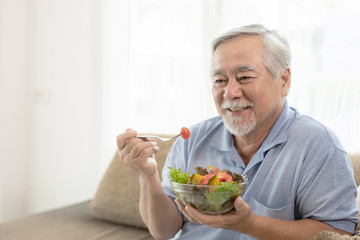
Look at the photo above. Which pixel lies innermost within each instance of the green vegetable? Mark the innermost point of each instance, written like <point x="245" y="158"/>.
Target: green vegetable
<point x="177" y="176"/>
<point x="222" y="194"/>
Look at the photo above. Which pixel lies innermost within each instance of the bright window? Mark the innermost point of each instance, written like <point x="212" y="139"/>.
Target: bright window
<point x="157" y="56"/>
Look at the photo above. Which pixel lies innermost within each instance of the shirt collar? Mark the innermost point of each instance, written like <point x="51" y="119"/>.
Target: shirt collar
<point x="279" y="132"/>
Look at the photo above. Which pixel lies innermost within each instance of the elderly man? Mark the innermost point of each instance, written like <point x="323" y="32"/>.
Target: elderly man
<point x="300" y="177"/>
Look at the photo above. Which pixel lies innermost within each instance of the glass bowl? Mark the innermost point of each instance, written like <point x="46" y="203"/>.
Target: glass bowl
<point x="209" y="199"/>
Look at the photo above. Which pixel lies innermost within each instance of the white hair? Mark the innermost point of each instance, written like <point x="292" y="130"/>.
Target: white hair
<point x="276" y="55"/>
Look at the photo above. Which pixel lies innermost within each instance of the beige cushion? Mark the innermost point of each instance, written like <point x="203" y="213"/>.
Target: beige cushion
<point x="325" y="235"/>
<point x="355" y="159"/>
<point x="117" y="197"/>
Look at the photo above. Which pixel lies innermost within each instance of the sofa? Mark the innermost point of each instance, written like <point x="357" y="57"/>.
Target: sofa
<point x="112" y="213"/>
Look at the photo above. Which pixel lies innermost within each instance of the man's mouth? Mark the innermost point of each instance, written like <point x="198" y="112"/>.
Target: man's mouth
<point x="238" y="109"/>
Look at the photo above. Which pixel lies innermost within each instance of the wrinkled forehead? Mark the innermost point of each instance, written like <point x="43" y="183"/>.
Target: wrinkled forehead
<point x="234" y="70"/>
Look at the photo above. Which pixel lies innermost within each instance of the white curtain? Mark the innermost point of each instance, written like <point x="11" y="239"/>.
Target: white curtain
<point x="166" y="83"/>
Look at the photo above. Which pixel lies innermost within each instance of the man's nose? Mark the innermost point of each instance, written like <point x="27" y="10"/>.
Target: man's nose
<point x="233" y="89"/>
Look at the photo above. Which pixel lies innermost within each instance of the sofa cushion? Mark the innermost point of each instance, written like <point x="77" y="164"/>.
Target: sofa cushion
<point x="355" y="159"/>
<point x="69" y="223"/>
<point x="117" y="196"/>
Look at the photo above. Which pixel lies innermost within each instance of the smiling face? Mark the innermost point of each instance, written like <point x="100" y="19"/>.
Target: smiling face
<point x="246" y="96"/>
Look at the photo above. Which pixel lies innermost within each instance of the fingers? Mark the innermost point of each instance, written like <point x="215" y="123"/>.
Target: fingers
<point x="135" y="151"/>
<point x="123" y="138"/>
<point x="227" y="220"/>
<point x="238" y="203"/>
<point x="140" y="150"/>
<point x="242" y="207"/>
<point x="184" y="211"/>
<point x="197" y="217"/>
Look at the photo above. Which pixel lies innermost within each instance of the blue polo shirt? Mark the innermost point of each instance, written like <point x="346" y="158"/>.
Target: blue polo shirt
<point x="300" y="171"/>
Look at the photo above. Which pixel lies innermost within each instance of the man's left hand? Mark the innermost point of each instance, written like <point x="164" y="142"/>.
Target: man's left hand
<point x="238" y="219"/>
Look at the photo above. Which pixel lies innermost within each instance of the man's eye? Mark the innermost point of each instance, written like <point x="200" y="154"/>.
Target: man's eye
<point x="243" y="78"/>
<point x="219" y="81"/>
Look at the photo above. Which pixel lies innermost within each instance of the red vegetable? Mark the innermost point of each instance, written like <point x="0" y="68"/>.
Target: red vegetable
<point x="207" y="178"/>
<point x="225" y="177"/>
<point x="185" y="133"/>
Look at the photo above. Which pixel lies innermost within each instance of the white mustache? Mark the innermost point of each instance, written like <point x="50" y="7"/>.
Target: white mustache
<point x="226" y="104"/>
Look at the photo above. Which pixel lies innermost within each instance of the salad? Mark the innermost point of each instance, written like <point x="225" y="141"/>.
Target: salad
<point x="209" y="190"/>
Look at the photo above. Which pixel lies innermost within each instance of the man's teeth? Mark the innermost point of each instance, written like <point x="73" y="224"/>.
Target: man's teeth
<point x="238" y="108"/>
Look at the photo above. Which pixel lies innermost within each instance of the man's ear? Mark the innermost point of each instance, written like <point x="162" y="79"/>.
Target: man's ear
<point x="285" y="79"/>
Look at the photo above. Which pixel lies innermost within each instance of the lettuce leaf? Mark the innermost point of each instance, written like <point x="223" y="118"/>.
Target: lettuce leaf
<point x="177" y="176"/>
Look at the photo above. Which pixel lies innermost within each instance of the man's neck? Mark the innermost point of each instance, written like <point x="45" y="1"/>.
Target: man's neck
<point x="247" y="146"/>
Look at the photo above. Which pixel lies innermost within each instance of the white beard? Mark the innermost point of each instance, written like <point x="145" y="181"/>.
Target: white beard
<point x="237" y="126"/>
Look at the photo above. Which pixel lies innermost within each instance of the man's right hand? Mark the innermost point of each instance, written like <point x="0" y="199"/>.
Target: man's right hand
<point x="137" y="153"/>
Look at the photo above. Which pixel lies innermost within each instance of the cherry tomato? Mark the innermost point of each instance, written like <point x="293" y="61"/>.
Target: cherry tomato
<point x="185" y="133"/>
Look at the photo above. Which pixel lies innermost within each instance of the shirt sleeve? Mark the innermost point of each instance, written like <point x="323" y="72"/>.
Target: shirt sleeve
<point x="327" y="192"/>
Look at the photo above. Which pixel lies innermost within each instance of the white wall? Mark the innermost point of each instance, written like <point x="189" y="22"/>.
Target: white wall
<point x="15" y="106"/>
<point x="51" y="97"/>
